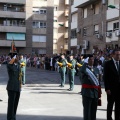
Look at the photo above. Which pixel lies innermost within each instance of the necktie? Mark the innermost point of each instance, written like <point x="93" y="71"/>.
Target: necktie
<point x="117" y="66"/>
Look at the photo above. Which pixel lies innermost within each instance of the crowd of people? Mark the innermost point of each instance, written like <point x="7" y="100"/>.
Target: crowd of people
<point x="101" y="65"/>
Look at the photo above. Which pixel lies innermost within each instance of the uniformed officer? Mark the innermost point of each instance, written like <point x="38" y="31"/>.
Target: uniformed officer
<point x="23" y="69"/>
<point x="62" y="69"/>
<point x="13" y="87"/>
<point x="71" y="72"/>
<point x="90" y="88"/>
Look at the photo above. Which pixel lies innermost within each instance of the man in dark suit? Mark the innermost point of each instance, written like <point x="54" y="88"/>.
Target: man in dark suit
<point x="112" y="84"/>
<point x="13" y="87"/>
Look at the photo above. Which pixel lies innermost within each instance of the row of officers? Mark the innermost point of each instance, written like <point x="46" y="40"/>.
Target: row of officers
<point x="90" y="84"/>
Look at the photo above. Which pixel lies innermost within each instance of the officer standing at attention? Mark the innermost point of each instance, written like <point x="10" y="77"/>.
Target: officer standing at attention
<point x="23" y="69"/>
<point x="62" y="69"/>
<point x="71" y="72"/>
<point x="90" y="88"/>
<point x="13" y="87"/>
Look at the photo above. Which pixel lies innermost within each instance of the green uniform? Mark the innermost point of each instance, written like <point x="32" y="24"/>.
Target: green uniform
<point x="13" y="89"/>
<point x="71" y="74"/>
<point x="23" y="69"/>
<point x="62" y="71"/>
<point x="89" y="95"/>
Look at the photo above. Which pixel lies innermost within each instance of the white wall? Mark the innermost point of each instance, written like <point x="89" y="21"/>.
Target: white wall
<point x="73" y="42"/>
<point x="74" y="20"/>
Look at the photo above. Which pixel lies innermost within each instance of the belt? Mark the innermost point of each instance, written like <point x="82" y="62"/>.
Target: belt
<point x="89" y="86"/>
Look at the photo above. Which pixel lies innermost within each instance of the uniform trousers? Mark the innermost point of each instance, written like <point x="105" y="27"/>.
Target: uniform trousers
<point x="13" y="99"/>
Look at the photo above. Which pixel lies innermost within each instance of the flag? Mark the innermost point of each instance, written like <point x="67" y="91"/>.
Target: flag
<point x="13" y="48"/>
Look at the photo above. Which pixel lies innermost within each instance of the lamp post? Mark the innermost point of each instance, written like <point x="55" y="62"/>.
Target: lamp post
<point x="114" y="7"/>
<point x="61" y="47"/>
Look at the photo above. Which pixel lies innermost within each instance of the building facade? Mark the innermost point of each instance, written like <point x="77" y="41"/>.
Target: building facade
<point x="29" y="23"/>
<point x="61" y="16"/>
<point x="96" y="27"/>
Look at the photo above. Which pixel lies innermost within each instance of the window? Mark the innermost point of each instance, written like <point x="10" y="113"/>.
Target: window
<point x="96" y="29"/>
<point x="39" y="11"/>
<point x="15" y="36"/>
<point x="85" y="13"/>
<point x="38" y="38"/>
<point x="38" y="24"/>
<point x="84" y="31"/>
<point x="42" y="11"/>
<point x="116" y="26"/>
<point x="73" y="33"/>
<point x="97" y="8"/>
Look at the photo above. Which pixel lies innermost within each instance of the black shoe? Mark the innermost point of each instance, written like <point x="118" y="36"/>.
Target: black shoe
<point x="70" y="89"/>
<point x="61" y="85"/>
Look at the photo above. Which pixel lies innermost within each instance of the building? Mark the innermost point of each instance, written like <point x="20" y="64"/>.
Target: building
<point x="61" y="15"/>
<point x="96" y="27"/>
<point x="74" y="29"/>
<point x="29" y="23"/>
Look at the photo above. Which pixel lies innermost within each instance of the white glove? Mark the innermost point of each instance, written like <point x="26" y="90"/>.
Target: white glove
<point x="86" y="60"/>
<point x="14" y="57"/>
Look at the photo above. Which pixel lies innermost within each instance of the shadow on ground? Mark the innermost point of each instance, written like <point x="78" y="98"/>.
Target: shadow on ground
<point x="43" y="117"/>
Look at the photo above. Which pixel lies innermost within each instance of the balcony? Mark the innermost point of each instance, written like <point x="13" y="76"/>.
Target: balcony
<point x="55" y="24"/>
<point x="67" y="2"/>
<point x="66" y="35"/>
<point x="83" y="3"/>
<point x="67" y="12"/>
<point x="10" y="14"/>
<point x="56" y="2"/>
<point x="66" y="47"/>
<point x="7" y="43"/>
<point x="39" y="17"/>
<point x="39" y="44"/>
<point x="66" y="24"/>
<point x="112" y="13"/>
<point x="39" y="3"/>
<point x="14" y="1"/>
<point x="16" y="29"/>
<point x="39" y="30"/>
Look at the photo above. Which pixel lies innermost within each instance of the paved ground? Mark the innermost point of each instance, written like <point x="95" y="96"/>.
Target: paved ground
<point x="42" y="99"/>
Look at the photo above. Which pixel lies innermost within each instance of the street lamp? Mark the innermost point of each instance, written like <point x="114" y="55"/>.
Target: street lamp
<point x="61" y="47"/>
<point x="114" y="7"/>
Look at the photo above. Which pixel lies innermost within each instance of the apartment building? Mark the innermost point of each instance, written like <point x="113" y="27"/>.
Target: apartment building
<point x="97" y="26"/>
<point x="60" y="36"/>
<point x="74" y="29"/>
<point x="91" y="25"/>
<point x="29" y="23"/>
<point x="113" y="24"/>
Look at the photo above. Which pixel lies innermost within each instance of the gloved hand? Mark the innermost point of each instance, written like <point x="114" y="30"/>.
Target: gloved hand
<point x="86" y="60"/>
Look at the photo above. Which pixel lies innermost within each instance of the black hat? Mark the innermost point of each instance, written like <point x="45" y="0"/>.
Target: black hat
<point x="87" y="55"/>
<point x="12" y="54"/>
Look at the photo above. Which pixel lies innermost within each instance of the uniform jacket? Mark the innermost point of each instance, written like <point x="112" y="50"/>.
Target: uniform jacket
<point x="63" y="68"/>
<point x="13" y="83"/>
<point x="72" y="68"/>
<point x="85" y="79"/>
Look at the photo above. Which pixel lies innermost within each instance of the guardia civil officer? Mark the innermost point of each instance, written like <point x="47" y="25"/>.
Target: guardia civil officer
<point x="90" y="88"/>
<point x="62" y="69"/>
<point x="13" y="87"/>
<point x="23" y="69"/>
<point x="71" y="71"/>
